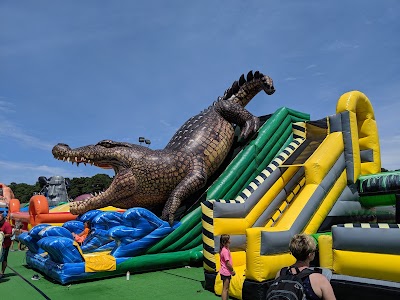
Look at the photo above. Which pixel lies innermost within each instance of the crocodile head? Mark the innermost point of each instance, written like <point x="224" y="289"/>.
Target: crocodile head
<point x="267" y="84"/>
<point x="107" y="155"/>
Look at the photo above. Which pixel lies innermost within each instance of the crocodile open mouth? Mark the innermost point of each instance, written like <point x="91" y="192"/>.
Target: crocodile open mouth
<point x="88" y="155"/>
<point x="82" y="160"/>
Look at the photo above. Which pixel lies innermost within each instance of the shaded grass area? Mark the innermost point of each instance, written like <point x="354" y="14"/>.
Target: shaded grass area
<point x="180" y="283"/>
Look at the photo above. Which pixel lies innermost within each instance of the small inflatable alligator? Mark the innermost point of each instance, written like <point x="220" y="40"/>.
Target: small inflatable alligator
<point x="147" y="178"/>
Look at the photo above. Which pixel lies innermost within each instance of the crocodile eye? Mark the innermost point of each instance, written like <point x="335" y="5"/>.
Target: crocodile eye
<point x="106" y="144"/>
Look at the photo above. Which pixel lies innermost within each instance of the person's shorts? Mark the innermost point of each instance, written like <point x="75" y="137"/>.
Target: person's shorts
<point x="4" y="254"/>
<point x="223" y="277"/>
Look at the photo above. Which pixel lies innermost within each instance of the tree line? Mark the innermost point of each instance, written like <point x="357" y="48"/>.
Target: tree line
<point x="77" y="186"/>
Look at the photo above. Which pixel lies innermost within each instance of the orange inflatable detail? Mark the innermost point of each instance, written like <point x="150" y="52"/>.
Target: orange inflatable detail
<point x="14" y="206"/>
<point x="39" y="212"/>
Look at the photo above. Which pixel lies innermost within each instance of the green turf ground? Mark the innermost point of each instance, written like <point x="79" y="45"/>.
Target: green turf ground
<point x="181" y="283"/>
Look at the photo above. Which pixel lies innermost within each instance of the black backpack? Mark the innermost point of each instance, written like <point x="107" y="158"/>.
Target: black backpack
<point x="289" y="286"/>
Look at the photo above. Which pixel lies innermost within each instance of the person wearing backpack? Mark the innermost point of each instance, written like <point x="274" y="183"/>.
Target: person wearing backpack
<point x="298" y="281"/>
<point x="226" y="271"/>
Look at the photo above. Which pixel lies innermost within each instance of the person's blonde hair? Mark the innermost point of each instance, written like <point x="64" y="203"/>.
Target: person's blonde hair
<point x="223" y="240"/>
<point x="301" y="245"/>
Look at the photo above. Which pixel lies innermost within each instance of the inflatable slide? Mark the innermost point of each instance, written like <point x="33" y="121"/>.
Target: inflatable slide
<point x="313" y="178"/>
<point x="182" y="246"/>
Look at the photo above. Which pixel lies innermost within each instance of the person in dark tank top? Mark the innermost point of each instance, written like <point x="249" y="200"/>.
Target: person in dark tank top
<point x="316" y="286"/>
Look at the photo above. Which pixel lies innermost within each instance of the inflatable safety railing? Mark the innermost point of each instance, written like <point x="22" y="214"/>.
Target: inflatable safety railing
<point x="364" y="258"/>
<point x="362" y="250"/>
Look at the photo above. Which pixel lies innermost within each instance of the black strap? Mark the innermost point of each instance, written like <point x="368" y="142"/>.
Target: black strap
<point x="283" y="271"/>
<point x="300" y="274"/>
<point x="305" y="273"/>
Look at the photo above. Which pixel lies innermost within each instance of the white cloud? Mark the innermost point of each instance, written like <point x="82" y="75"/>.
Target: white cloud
<point x="165" y="123"/>
<point x="290" y="78"/>
<point x="21" y="172"/>
<point x="12" y="131"/>
<point x="14" y="166"/>
<point x="5" y="106"/>
<point x="68" y="38"/>
<point x="340" y="45"/>
<point x="311" y="66"/>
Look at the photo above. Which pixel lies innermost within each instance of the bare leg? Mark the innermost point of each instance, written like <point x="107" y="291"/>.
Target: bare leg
<point x="3" y="267"/>
<point x="225" y="289"/>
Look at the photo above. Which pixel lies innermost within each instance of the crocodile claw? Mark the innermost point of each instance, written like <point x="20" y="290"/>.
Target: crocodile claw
<point x="251" y="126"/>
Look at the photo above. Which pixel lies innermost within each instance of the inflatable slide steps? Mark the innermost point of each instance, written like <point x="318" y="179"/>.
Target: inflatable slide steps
<point x="324" y="181"/>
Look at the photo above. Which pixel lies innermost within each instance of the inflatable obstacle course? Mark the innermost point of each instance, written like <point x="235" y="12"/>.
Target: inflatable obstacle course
<point x="313" y="178"/>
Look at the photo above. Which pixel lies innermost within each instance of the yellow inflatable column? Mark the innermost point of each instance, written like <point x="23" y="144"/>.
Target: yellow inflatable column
<point x="363" y="120"/>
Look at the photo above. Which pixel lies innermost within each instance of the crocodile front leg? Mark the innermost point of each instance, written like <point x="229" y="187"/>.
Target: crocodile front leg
<point x="194" y="181"/>
<point x="235" y="113"/>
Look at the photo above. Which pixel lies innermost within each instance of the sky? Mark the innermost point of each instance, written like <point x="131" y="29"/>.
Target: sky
<point x="78" y="72"/>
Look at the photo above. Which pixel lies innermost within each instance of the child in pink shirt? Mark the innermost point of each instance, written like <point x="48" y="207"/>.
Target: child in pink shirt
<point x="226" y="270"/>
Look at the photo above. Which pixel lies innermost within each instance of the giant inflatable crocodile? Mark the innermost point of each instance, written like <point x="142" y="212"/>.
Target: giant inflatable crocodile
<point x="147" y="178"/>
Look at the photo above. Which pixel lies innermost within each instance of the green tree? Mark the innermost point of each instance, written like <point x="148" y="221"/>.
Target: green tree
<point x="78" y="186"/>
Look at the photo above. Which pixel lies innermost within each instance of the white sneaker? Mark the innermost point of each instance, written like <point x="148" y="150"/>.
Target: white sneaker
<point x="35" y="277"/>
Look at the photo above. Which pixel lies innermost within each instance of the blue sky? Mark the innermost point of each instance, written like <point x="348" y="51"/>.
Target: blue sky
<point x="78" y="72"/>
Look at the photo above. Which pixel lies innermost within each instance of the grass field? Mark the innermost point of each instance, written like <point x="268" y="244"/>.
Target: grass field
<point x="180" y="283"/>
